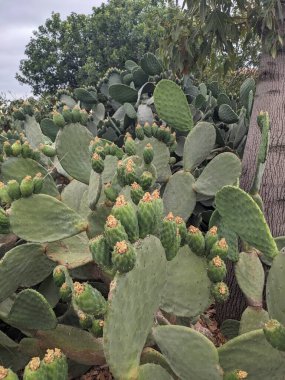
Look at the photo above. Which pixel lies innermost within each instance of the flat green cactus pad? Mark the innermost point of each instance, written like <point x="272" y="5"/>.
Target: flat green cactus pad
<point x="18" y="168"/>
<point x="187" y="289"/>
<point x="72" y="147"/>
<point x="160" y="158"/>
<point x="25" y="265"/>
<point x="33" y="132"/>
<point x="243" y="216"/>
<point x="150" y="355"/>
<point x="68" y="100"/>
<point x="49" y="128"/>
<point x="150" y="64"/>
<point x="275" y="289"/>
<point x="198" y="145"/>
<point x="73" y="196"/>
<point x="250" y="277"/>
<point x="227" y="114"/>
<point x="252" y="319"/>
<point x="123" y="93"/>
<point x="153" y="371"/>
<point x="41" y="218"/>
<point x="31" y="311"/>
<point x="252" y="353"/>
<point x="280" y="242"/>
<point x="133" y="299"/>
<point x="97" y="220"/>
<point x="110" y="167"/>
<point x="72" y="252"/>
<point x="223" y="170"/>
<point x="190" y="354"/>
<point x="172" y="106"/>
<point x="75" y="343"/>
<point x="178" y="196"/>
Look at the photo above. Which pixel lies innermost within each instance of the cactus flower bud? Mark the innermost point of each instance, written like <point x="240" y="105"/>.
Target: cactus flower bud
<point x="47" y="150"/>
<point x="211" y="238"/>
<point x="147" y="129"/>
<point x="97" y="163"/>
<point x="114" y="231"/>
<point x="34" y="370"/>
<point x="65" y="292"/>
<point x="7" y="149"/>
<point x="58" y="276"/>
<point x="275" y="334"/>
<point x="100" y="252"/>
<point x="130" y="146"/>
<point x="196" y="241"/>
<point x="27" y="186"/>
<point x="16" y="148"/>
<point x="217" y="269"/>
<point x="148" y="154"/>
<point x="89" y="299"/>
<point x="123" y="256"/>
<point x="146" y="180"/>
<point x="146" y="215"/>
<point x="220" y="292"/>
<point x="7" y="374"/>
<point x="126" y="214"/>
<point x="58" y="119"/>
<point x="139" y="132"/>
<point x="136" y="193"/>
<point x="66" y="113"/>
<point x="76" y="116"/>
<point x="13" y="189"/>
<point x="27" y="151"/>
<point x="97" y="328"/>
<point x="38" y="183"/>
<point x="236" y="375"/>
<point x="220" y="248"/>
<point x="55" y="365"/>
<point x="154" y="129"/>
<point x="181" y="225"/>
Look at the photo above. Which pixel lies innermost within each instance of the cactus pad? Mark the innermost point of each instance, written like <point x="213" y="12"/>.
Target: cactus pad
<point x="190" y="354"/>
<point x="223" y="170"/>
<point x="275" y="289"/>
<point x="31" y="311"/>
<point x="252" y="319"/>
<point x="243" y="216"/>
<point x="178" y="196"/>
<point x="250" y="277"/>
<point x="252" y="353"/>
<point x="153" y="371"/>
<point x="41" y="218"/>
<point x="123" y="93"/>
<point x="72" y="147"/>
<point x="198" y="145"/>
<point x="133" y="300"/>
<point x="187" y="289"/>
<point x="172" y="106"/>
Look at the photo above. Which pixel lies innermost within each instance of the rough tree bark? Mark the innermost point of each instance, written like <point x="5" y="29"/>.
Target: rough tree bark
<point x="270" y="96"/>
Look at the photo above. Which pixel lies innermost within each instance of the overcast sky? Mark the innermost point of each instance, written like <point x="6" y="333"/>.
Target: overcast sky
<point x="18" y="18"/>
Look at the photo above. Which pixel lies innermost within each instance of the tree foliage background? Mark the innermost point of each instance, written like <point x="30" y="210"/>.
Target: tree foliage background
<point x="78" y="50"/>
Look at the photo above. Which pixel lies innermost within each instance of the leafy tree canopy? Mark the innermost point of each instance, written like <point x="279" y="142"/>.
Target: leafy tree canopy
<point x="78" y="50"/>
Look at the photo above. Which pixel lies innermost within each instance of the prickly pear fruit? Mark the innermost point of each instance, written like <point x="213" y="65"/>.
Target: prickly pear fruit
<point x="171" y="252"/>
<point x="94" y="144"/>
<point x="27" y="186"/>
<point x="139" y="132"/>
<point x="119" y="153"/>
<point x="146" y="215"/>
<point x="100" y="251"/>
<point x="146" y="180"/>
<point x="7" y="374"/>
<point x="13" y="189"/>
<point x="114" y="231"/>
<point x="168" y="231"/>
<point x="66" y="113"/>
<point x="47" y="150"/>
<point x="55" y="365"/>
<point x="154" y="129"/>
<point x="123" y="256"/>
<point x="136" y="192"/>
<point x="217" y="269"/>
<point x="236" y="375"/>
<point x="121" y="173"/>
<point x="196" y="241"/>
<point x="27" y="151"/>
<point x="130" y="145"/>
<point x="211" y="238"/>
<point x="147" y="130"/>
<point x="7" y="149"/>
<point x="4" y="196"/>
<point x="164" y="134"/>
<point x="159" y="210"/>
<point x="58" y="119"/>
<point x="76" y="117"/>
<point x="97" y="328"/>
<point x="111" y="192"/>
<point x="181" y="225"/>
<point x="101" y="151"/>
<point x="126" y="214"/>
<point x="148" y="154"/>
<point x="65" y="292"/>
<point x="18" y="114"/>
<point x="85" y="320"/>
<point x="58" y="276"/>
<point x="220" y="292"/>
<point x="83" y="117"/>
<point x="16" y="148"/>
<point x="89" y="299"/>
<point x="97" y="163"/>
<point x="38" y="183"/>
<point x="220" y="248"/>
<point x="34" y="370"/>
<point x="130" y="172"/>
<point x="275" y="334"/>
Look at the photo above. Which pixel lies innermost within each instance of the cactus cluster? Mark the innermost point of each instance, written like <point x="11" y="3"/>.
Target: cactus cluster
<point x="126" y="204"/>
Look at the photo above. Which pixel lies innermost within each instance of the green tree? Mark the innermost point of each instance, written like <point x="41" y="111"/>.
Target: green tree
<point x="78" y="50"/>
